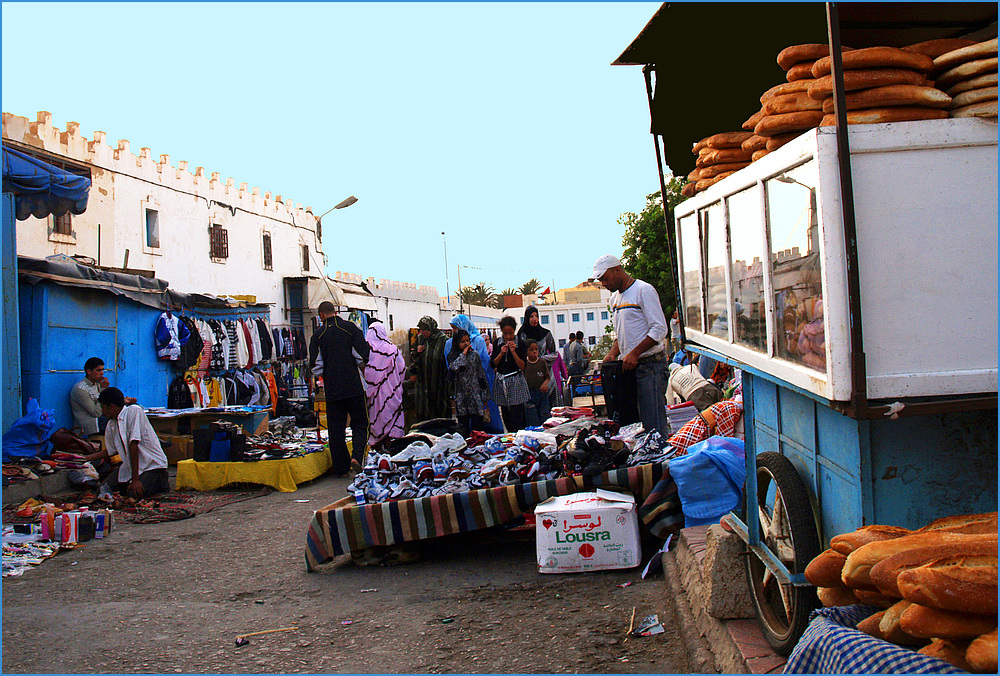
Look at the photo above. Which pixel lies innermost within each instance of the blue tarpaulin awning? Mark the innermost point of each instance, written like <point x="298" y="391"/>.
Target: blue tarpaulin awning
<point x="40" y="188"/>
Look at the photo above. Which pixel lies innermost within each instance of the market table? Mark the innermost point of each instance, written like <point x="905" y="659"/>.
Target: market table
<point x="284" y="474"/>
<point x="252" y="422"/>
<point x="346" y="526"/>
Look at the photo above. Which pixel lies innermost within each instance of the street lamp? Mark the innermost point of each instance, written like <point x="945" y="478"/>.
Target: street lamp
<point x="812" y="232"/>
<point x="346" y="203"/>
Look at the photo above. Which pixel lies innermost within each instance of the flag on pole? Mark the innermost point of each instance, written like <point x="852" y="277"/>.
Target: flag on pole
<point x="548" y="289"/>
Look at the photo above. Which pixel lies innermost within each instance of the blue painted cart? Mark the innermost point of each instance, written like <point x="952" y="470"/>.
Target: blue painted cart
<point x="867" y="338"/>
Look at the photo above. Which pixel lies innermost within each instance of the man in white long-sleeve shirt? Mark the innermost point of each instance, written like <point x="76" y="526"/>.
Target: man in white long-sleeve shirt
<point x="640" y="328"/>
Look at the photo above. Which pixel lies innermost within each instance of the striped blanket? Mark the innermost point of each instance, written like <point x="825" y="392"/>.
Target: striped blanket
<point x="345" y="526"/>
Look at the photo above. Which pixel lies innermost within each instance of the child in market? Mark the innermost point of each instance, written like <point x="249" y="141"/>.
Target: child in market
<point x="510" y="391"/>
<point x="536" y="373"/>
<point x="469" y="390"/>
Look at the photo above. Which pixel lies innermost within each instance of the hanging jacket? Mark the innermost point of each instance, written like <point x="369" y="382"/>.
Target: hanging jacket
<point x="170" y="334"/>
<point x="248" y="342"/>
<point x="178" y="394"/>
<point x="255" y="340"/>
<point x="190" y="350"/>
<point x="266" y="347"/>
<point x="219" y="346"/>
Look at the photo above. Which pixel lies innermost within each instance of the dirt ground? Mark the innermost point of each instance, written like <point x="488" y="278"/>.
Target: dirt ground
<point x="173" y="597"/>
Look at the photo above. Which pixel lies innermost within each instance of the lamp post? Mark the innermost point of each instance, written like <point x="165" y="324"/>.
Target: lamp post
<point x="319" y="228"/>
<point x="447" y="290"/>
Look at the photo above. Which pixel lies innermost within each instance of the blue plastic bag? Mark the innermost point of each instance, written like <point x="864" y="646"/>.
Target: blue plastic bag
<point x="710" y="479"/>
<point x="29" y="436"/>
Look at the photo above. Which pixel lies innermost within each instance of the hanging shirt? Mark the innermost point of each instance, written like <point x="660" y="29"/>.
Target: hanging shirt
<point x="170" y="335"/>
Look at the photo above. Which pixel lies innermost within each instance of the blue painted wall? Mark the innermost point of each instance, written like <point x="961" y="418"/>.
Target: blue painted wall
<point x="10" y="355"/>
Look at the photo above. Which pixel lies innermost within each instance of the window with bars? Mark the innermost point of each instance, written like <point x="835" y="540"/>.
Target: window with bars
<point x="267" y="251"/>
<point x="305" y="257"/>
<point x="63" y="225"/>
<point x="219" y="242"/>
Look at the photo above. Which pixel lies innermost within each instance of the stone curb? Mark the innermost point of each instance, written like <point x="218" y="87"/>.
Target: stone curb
<point x="699" y="652"/>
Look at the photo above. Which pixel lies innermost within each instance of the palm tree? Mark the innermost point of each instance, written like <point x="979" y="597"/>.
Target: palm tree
<point x="531" y="286"/>
<point x="479" y="294"/>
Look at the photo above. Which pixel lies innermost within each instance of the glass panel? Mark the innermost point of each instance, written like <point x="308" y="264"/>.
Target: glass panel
<point x="152" y="229"/>
<point x="717" y="304"/>
<point x="747" y="242"/>
<point x="691" y="271"/>
<point x="796" y="267"/>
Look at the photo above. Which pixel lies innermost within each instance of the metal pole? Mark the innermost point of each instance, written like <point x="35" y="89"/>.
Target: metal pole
<point x="461" y="308"/>
<point x="447" y="291"/>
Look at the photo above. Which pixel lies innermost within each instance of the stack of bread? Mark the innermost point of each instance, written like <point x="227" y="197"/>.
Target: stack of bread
<point x="881" y="84"/>
<point x="719" y="155"/>
<point x="968" y="73"/>
<point x="937" y="585"/>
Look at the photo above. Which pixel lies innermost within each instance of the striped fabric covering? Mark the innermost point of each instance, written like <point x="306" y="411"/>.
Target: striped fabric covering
<point x="340" y="528"/>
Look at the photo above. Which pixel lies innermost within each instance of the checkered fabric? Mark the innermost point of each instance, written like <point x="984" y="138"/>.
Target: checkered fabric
<point x="727" y="414"/>
<point x="832" y="645"/>
<point x="510" y="389"/>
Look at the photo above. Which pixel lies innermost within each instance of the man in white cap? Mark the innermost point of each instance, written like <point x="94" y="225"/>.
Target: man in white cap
<point x="640" y="328"/>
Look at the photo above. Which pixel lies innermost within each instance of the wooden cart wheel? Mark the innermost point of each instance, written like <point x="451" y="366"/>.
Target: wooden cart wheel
<point x="788" y="529"/>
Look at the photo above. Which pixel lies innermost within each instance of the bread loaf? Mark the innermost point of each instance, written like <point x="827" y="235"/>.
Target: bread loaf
<point x="935" y="48"/>
<point x="977" y="82"/>
<point x="700" y="145"/>
<point x="951" y="652"/>
<point x="754" y="143"/>
<point x="890" y="628"/>
<point x="845" y="543"/>
<point x="786" y="88"/>
<point x="776" y="142"/>
<point x="883" y="574"/>
<point x="773" y="125"/>
<point x="727" y="139"/>
<point x="976" y="52"/>
<point x="875" y="57"/>
<point x="965" y="71"/>
<point x="865" y="79"/>
<point x="689" y="190"/>
<point x="892" y="95"/>
<point x="982" y="109"/>
<point x="924" y="622"/>
<point x="895" y="114"/>
<point x="981" y="654"/>
<point x="695" y="174"/>
<point x="757" y="154"/>
<point x="791" y="103"/>
<point x="706" y="183"/>
<point x="789" y="56"/>
<point x="968" y="585"/>
<point x="836" y="596"/>
<point x="754" y="119"/>
<point x="712" y="170"/>
<point x="857" y="567"/>
<point x="870" y="625"/>
<point x="800" y="71"/>
<point x="875" y="598"/>
<point x="721" y="156"/>
<point x="970" y="524"/>
<point x="824" y="570"/>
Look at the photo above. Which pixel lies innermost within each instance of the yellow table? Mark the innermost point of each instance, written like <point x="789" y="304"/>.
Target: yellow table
<point x="283" y="475"/>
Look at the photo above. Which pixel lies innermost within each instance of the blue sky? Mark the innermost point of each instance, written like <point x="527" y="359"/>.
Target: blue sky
<point x="502" y="124"/>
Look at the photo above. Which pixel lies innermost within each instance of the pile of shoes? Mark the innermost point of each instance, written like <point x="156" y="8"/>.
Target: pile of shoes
<point x="282" y="440"/>
<point x="593" y="451"/>
<point x="650" y="447"/>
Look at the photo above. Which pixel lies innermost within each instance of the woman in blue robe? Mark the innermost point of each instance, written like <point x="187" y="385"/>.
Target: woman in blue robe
<point x="495" y="424"/>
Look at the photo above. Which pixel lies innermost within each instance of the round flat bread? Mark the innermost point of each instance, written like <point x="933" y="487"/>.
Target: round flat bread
<point x="976" y="52"/>
<point x="965" y="71"/>
<point x="789" y="56"/>
<point x="935" y="48"/>
<point x="892" y="95"/>
<point x="866" y="79"/>
<point x="800" y="71"/>
<point x="754" y="119"/>
<point x="876" y="57"/>
<point x="773" y="125"/>
<point x="978" y="82"/>
<point x="727" y="139"/>
<point x="689" y="190"/>
<point x="725" y="168"/>
<point x="894" y="114"/>
<point x="754" y="143"/>
<point x="981" y="109"/>
<point x="695" y="174"/>
<point x="785" y="88"/>
<point x="706" y="183"/>
<point x="757" y="154"/>
<point x="791" y="103"/>
<point x="974" y="96"/>
<point x="776" y="142"/>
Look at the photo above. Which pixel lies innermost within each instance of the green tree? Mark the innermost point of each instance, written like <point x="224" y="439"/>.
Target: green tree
<point x="646" y="255"/>
<point x="479" y="294"/>
<point x="603" y="346"/>
<point x="531" y="286"/>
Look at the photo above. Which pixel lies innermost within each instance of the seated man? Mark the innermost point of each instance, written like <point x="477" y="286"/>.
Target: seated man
<point x="143" y="472"/>
<point x="83" y="400"/>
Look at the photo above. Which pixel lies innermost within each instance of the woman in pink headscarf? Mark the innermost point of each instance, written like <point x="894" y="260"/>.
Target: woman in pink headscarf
<point x="384" y="374"/>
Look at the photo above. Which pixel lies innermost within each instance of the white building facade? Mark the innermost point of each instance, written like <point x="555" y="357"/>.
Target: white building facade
<point x="590" y="317"/>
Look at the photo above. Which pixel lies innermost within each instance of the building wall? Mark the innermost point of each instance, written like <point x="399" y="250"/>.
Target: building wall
<point x="187" y="205"/>
<point x="402" y="304"/>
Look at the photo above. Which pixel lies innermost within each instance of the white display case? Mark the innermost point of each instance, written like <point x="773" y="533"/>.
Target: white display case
<point x="771" y="239"/>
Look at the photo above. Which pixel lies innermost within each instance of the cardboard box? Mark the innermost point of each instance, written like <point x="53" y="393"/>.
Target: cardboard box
<point x="587" y="531"/>
<point x="182" y="448"/>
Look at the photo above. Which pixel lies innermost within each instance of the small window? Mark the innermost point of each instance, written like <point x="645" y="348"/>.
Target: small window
<point x="152" y="228"/>
<point x="560" y="319"/>
<point x="576" y="317"/>
<point x="604" y="315"/>
<point x="305" y="257"/>
<point x="267" y="251"/>
<point x="63" y="225"/>
<point x="545" y="319"/>
<point x="590" y="316"/>
<point x="219" y="242"/>
<point x="592" y="340"/>
<point x="562" y="342"/>
<point x="390" y="323"/>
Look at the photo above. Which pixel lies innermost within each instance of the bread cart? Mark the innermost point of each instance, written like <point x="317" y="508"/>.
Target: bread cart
<point x="851" y="277"/>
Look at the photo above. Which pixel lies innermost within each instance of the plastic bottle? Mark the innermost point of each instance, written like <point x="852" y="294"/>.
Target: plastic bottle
<point x="85" y="526"/>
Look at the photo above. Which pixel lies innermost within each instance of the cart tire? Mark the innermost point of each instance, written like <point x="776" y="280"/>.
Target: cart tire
<point x="783" y="621"/>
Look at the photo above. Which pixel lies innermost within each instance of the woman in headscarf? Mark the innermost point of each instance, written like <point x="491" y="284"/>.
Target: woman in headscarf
<point x="428" y="371"/>
<point x="492" y="422"/>
<point x="531" y="329"/>
<point x="384" y="374"/>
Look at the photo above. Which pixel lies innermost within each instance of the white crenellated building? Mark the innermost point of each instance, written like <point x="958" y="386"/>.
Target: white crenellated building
<point x="200" y="232"/>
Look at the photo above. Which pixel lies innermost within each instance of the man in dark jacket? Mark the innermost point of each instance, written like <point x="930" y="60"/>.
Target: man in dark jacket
<point x="343" y="349"/>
